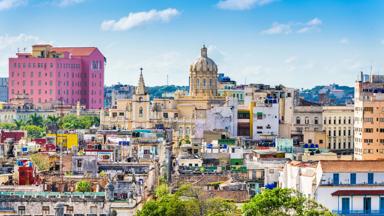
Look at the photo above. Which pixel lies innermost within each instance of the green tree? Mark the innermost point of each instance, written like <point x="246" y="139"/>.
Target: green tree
<point x="35" y="119"/>
<point x="70" y="122"/>
<point x="83" y="186"/>
<point x="51" y="119"/>
<point x="7" y="126"/>
<point x="283" y="202"/>
<point x="186" y="201"/>
<point x="34" y="131"/>
<point x="19" y="123"/>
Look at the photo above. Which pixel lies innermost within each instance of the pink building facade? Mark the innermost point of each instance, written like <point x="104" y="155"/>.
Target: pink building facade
<point x="58" y="75"/>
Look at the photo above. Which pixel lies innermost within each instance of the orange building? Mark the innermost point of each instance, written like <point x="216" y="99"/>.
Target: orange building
<point x="369" y="118"/>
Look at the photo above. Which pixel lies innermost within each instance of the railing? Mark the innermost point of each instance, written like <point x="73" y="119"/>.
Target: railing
<point x="358" y="212"/>
<point x="52" y="194"/>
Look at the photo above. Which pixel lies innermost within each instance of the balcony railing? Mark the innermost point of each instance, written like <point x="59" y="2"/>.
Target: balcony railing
<point x="358" y="212"/>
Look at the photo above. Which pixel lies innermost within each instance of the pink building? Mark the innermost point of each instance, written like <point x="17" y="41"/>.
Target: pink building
<point x="54" y="75"/>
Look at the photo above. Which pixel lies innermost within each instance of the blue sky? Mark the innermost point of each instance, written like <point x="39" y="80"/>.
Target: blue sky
<point x="297" y="43"/>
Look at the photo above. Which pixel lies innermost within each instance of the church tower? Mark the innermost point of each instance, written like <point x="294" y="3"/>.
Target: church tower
<point x="203" y="76"/>
<point x="140" y="105"/>
<point x="140" y="89"/>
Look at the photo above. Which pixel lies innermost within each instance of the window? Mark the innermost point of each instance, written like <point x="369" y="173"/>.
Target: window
<point x="79" y="163"/>
<point x="180" y="131"/>
<point x="336" y="178"/>
<point x="141" y="112"/>
<point x="165" y="115"/>
<point x="45" y="209"/>
<point x="370" y="178"/>
<point x="367" y="205"/>
<point x="298" y="120"/>
<point x="316" y="120"/>
<point x="345" y="208"/>
<point x="21" y="210"/>
<point x="353" y="178"/>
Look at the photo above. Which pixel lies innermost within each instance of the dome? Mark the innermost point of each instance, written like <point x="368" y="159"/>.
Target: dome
<point x="204" y="64"/>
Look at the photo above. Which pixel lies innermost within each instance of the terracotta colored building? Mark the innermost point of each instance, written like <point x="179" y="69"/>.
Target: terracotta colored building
<point x="58" y="75"/>
<point x="369" y="118"/>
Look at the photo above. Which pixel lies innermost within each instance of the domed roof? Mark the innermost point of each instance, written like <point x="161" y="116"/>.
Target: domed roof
<point x="204" y="64"/>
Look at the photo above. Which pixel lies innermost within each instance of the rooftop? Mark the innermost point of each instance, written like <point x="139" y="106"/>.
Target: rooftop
<point x="353" y="166"/>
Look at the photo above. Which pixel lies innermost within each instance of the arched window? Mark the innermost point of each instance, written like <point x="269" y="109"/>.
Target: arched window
<point x="141" y="112"/>
<point x="204" y="83"/>
<point x="306" y="120"/>
<point x="210" y="83"/>
<point x="316" y="120"/>
<point x="198" y="83"/>
<point x="298" y="121"/>
<point x="180" y="131"/>
<point x="187" y="131"/>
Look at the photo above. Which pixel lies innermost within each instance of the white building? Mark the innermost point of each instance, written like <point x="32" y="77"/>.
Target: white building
<point x="344" y="187"/>
<point x="266" y="120"/>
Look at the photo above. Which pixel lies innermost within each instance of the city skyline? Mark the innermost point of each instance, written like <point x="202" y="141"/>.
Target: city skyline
<point x="295" y="43"/>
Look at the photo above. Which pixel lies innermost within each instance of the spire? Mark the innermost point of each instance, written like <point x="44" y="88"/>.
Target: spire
<point x="140" y="89"/>
<point x="204" y="52"/>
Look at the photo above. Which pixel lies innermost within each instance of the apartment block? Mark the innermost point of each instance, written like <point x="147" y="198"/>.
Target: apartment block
<point x="338" y="127"/>
<point x="58" y="75"/>
<point x="369" y="118"/>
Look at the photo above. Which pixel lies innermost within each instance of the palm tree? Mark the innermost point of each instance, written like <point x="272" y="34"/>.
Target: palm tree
<point x="19" y="123"/>
<point x="52" y="123"/>
<point x="35" y="119"/>
<point x="53" y="119"/>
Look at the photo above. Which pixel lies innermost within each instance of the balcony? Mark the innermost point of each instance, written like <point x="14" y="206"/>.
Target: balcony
<point x="358" y="212"/>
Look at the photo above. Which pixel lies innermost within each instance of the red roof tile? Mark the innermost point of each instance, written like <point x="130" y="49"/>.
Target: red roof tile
<point x="75" y="51"/>
<point x="352" y="166"/>
<point x="357" y="192"/>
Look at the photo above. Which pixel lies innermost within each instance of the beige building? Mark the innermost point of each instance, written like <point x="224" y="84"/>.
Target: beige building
<point x="306" y="120"/>
<point x="183" y="113"/>
<point x="338" y="127"/>
<point x="369" y="118"/>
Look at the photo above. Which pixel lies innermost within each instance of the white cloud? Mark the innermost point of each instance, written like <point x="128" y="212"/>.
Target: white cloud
<point x="9" y="46"/>
<point x="7" y="41"/>
<point x="344" y="41"/>
<point x="313" y="24"/>
<point x="290" y="60"/>
<point x="140" y="18"/>
<point x="8" y="4"/>
<point x="287" y="28"/>
<point x="65" y="3"/>
<point x="242" y="4"/>
<point x="278" y="28"/>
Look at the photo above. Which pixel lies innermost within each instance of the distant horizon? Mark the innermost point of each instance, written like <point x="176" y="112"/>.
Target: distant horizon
<point x="300" y="43"/>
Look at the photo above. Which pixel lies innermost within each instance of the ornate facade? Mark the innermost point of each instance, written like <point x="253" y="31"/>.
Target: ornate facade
<point x="183" y="113"/>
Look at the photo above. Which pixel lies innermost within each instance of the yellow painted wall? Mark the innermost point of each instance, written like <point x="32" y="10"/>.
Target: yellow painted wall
<point x="68" y="140"/>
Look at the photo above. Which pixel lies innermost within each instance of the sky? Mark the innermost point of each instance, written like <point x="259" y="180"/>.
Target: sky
<point x="297" y="43"/>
